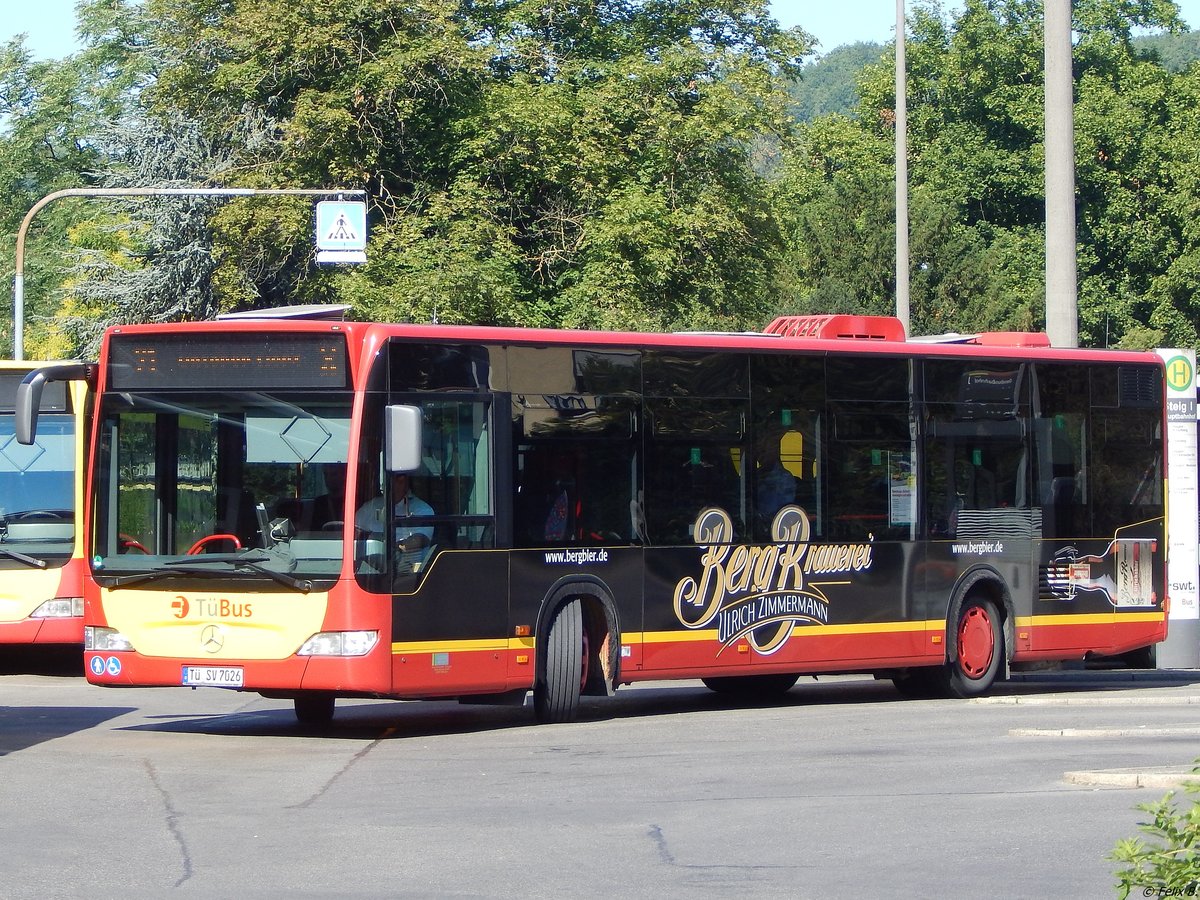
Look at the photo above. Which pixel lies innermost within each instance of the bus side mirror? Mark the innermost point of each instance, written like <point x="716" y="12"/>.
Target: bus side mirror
<point x="29" y="401"/>
<point x="29" y="394"/>
<point x="402" y="438"/>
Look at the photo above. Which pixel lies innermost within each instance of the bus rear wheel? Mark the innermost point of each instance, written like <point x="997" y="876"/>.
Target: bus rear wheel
<point x="314" y="709"/>
<point x="556" y="692"/>
<point x="978" y="648"/>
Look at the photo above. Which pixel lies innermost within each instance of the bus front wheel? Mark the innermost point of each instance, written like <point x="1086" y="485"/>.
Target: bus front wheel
<point x="314" y="709"/>
<point x="556" y="692"/>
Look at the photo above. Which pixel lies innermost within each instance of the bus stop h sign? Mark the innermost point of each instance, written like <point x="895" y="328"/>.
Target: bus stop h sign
<point x="341" y="231"/>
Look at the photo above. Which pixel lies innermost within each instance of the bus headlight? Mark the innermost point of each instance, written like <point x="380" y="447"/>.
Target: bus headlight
<point x="98" y="638"/>
<point x="339" y="643"/>
<point x="60" y="608"/>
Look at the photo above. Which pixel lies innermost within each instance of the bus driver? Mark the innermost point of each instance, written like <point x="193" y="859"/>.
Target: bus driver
<point x="411" y="540"/>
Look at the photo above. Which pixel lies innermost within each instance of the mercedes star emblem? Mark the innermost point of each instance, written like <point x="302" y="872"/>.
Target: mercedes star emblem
<point x="211" y="638"/>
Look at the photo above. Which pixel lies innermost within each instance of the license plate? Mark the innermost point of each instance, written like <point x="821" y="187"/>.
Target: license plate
<point x="214" y="676"/>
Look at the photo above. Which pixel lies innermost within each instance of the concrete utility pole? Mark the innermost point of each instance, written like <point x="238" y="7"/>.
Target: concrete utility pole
<point x="1062" y="311"/>
<point x="19" y="262"/>
<point x="902" y="264"/>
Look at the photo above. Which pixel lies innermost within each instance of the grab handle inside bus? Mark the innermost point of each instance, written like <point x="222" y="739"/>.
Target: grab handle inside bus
<point x="29" y="394"/>
<point x="402" y="438"/>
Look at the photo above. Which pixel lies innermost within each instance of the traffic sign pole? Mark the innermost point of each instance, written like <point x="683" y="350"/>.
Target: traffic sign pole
<point x="19" y="260"/>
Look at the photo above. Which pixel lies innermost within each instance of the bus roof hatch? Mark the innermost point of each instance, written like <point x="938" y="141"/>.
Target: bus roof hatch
<point x="839" y="327"/>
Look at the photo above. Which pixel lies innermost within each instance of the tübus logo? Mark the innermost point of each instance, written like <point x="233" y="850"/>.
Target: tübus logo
<point x="211" y="608"/>
<point x="759" y="592"/>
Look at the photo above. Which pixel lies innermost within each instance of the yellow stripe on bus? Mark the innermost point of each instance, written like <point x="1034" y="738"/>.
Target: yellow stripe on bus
<point x="482" y="644"/>
<point x="710" y="634"/>
<point x="1088" y="619"/>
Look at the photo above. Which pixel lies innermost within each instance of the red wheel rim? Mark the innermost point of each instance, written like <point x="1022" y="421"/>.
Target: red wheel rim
<point x="976" y="642"/>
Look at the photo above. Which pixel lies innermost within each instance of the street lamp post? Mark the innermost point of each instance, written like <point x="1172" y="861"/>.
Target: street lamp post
<point x="902" y="283"/>
<point x="19" y="261"/>
<point x="1062" y="302"/>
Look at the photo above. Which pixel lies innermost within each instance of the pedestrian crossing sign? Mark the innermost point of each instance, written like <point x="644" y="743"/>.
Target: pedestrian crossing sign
<point x="341" y="231"/>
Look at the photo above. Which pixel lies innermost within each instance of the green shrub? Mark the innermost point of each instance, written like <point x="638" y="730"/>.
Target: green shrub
<point x="1169" y="866"/>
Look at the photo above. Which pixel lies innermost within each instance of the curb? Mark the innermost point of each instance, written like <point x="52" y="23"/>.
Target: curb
<point x="1100" y="676"/>
<point x="1126" y="699"/>
<point x="1105" y="732"/>
<point x="1164" y="777"/>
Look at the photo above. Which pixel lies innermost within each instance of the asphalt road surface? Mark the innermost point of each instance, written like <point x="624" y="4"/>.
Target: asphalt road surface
<point x="838" y="790"/>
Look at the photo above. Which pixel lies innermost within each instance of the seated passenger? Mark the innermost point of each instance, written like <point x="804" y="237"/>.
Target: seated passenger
<point x="774" y="485"/>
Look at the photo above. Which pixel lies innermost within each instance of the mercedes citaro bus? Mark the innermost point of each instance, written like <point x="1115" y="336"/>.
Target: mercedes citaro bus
<point x="315" y="509"/>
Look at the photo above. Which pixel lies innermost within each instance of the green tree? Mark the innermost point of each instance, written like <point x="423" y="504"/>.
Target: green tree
<point x="149" y="259"/>
<point x="976" y="170"/>
<point x="64" y="124"/>
<point x="533" y="163"/>
<point x="45" y="115"/>
<point x="839" y="197"/>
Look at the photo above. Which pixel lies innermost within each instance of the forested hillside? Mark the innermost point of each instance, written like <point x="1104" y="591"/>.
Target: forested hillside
<point x="829" y="83"/>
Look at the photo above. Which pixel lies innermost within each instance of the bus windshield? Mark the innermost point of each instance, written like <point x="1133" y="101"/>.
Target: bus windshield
<point x="245" y="483"/>
<point x="37" y="491"/>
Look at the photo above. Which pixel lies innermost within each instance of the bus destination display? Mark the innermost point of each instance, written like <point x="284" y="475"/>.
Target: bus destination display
<point x="223" y="360"/>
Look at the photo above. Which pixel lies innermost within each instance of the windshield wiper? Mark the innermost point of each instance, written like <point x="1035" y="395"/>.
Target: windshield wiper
<point x="21" y="557"/>
<point x="199" y="566"/>
<point x="140" y="577"/>
<point x="254" y="563"/>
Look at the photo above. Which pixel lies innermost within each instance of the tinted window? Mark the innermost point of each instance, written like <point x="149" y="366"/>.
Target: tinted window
<point x="670" y="373"/>
<point x="869" y="470"/>
<point x="439" y="367"/>
<point x="576" y="446"/>
<point x="697" y="418"/>
<point x="976" y="466"/>
<point x="788" y="433"/>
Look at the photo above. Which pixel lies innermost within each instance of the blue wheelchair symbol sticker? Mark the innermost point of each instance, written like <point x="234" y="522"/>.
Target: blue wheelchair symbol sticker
<point x="114" y="666"/>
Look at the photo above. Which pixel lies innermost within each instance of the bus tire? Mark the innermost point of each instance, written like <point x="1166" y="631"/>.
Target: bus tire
<point x="748" y="686"/>
<point x="556" y="692"/>
<point x="314" y="709"/>
<point x="978" y="648"/>
<point x="1142" y="658"/>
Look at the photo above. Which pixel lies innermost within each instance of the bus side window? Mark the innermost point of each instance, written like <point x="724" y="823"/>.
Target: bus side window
<point x="682" y="480"/>
<point x="574" y="493"/>
<point x="547" y="498"/>
<point x="1061" y="438"/>
<point x="563" y="503"/>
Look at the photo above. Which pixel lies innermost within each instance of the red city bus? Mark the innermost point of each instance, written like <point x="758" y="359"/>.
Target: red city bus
<point x="41" y="487"/>
<point x="320" y="509"/>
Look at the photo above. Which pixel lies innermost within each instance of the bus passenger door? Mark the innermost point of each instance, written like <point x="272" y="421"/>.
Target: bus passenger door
<point x="449" y="586"/>
<point x="1074" y="609"/>
<point x="981" y="514"/>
